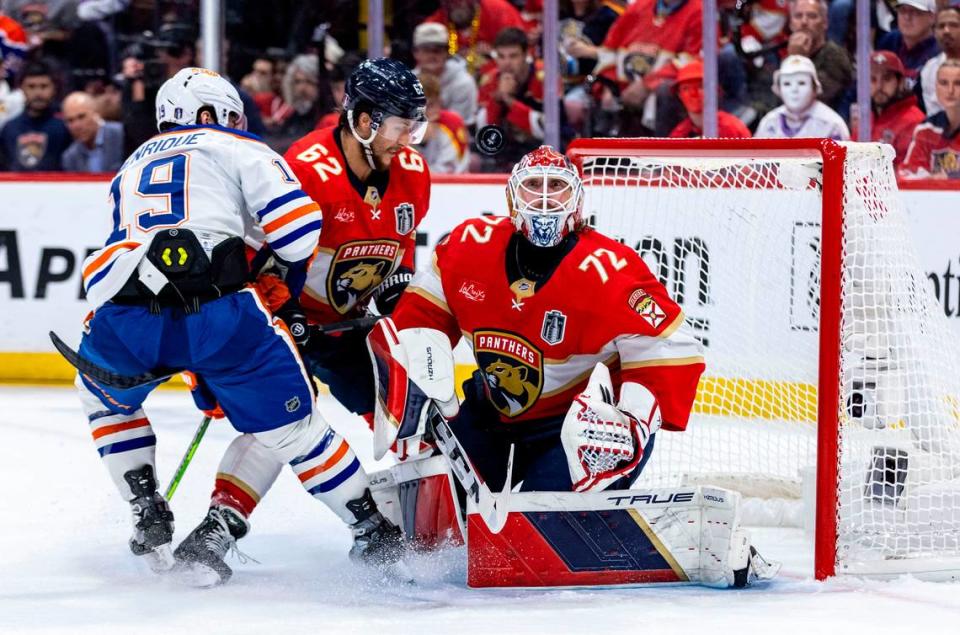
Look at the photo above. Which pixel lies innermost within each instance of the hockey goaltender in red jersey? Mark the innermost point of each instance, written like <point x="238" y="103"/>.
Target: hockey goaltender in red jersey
<point x="547" y="304"/>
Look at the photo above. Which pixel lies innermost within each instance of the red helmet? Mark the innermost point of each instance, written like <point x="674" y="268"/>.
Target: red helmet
<point x="545" y="197"/>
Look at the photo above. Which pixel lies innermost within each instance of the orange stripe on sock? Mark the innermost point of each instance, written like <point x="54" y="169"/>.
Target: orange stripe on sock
<point x="120" y="427"/>
<point x="105" y="256"/>
<point x="309" y="208"/>
<point x="326" y="465"/>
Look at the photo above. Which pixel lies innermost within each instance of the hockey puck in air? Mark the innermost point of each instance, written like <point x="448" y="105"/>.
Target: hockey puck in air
<point x="490" y="140"/>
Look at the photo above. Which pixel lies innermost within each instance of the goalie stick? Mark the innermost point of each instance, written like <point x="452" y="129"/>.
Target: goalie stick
<point x="493" y="508"/>
<point x="112" y="379"/>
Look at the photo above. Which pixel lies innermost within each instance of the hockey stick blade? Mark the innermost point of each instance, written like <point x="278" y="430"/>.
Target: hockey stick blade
<point x="109" y="378"/>
<point x="105" y="376"/>
<point x="493" y="508"/>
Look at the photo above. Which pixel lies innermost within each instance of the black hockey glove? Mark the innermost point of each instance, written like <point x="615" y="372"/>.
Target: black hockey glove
<point x="389" y="291"/>
<point x="292" y="315"/>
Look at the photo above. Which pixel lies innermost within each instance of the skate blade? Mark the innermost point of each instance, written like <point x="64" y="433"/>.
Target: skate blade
<point x="161" y="559"/>
<point x="197" y="575"/>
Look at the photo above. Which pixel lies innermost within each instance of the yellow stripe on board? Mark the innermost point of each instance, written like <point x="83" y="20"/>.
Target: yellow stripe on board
<point x="47" y="368"/>
<point x="743" y="398"/>
<point x="756" y="399"/>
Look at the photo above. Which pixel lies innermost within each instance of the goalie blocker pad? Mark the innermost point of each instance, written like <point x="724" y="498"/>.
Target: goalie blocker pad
<point x="555" y="539"/>
<point x="411" y="367"/>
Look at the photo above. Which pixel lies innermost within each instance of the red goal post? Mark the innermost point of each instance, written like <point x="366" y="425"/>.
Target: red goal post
<point x="634" y="178"/>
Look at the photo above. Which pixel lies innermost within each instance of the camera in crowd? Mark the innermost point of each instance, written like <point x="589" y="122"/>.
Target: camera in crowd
<point x="145" y="55"/>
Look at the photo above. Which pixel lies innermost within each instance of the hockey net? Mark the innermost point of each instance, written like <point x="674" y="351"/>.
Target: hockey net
<point x="830" y="364"/>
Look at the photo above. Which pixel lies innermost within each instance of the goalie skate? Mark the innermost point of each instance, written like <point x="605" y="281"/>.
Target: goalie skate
<point x="201" y="556"/>
<point x="152" y="520"/>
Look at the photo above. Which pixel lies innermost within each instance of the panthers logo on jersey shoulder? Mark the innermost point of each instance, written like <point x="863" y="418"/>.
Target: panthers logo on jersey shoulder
<point x="357" y="269"/>
<point x="512" y="370"/>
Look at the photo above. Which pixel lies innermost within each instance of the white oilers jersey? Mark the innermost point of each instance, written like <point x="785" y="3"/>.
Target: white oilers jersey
<point x="217" y="182"/>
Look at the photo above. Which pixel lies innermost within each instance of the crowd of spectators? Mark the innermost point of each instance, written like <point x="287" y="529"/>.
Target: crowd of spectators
<point x="79" y="77"/>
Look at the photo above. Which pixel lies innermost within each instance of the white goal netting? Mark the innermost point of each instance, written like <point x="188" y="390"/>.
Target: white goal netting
<point x="737" y="241"/>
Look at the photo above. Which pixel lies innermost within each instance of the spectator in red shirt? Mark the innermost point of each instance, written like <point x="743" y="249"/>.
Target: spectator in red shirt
<point x="895" y="110"/>
<point x="474" y="25"/>
<point x="934" y="151"/>
<point x="649" y="35"/>
<point x="511" y="96"/>
<point x="689" y="88"/>
<point x="639" y="51"/>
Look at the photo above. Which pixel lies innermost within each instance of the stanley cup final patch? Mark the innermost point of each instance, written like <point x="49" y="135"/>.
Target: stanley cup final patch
<point x="641" y="302"/>
<point x="404" y="212"/>
<point x="554" y="326"/>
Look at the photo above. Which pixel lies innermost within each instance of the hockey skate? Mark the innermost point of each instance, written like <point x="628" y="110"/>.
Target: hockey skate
<point x="377" y="542"/>
<point x="152" y="520"/>
<point x="755" y="568"/>
<point x="201" y="556"/>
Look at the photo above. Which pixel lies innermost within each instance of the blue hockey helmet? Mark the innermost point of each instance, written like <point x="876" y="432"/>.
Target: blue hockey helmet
<point x="393" y="97"/>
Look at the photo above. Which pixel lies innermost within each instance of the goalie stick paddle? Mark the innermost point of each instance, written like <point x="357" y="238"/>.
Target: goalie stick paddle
<point x="187" y="457"/>
<point x="493" y="508"/>
<point x="112" y="379"/>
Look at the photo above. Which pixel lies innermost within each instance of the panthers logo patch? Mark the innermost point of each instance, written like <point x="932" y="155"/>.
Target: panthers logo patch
<point x="31" y="148"/>
<point x="357" y="269"/>
<point x="512" y="370"/>
<point x="947" y="161"/>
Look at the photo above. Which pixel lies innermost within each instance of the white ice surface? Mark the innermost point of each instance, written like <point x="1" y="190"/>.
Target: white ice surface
<point x="65" y="566"/>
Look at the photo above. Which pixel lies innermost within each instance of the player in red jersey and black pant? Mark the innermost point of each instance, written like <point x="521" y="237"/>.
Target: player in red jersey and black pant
<point x="934" y="151"/>
<point x="373" y="191"/>
<point x="552" y="300"/>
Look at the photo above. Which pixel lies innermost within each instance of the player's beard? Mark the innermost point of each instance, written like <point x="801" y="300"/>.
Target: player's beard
<point x="382" y="160"/>
<point x="383" y="157"/>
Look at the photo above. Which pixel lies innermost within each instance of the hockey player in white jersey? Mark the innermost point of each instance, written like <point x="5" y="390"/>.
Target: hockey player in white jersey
<point x="170" y="290"/>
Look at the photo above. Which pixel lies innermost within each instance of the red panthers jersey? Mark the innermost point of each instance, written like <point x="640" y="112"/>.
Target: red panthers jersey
<point x="368" y="228"/>
<point x="537" y="345"/>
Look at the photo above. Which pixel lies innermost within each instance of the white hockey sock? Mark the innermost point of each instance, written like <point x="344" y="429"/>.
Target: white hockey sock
<point x="247" y="471"/>
<point x="124" y="442"/>
<point x="332" y="473"/>
<point x="321" y="459"/>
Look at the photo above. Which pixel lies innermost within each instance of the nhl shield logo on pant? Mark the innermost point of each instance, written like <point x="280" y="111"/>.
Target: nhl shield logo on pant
<point x="512" y="370"/>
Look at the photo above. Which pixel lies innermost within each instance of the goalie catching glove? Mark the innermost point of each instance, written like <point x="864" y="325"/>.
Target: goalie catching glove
<point x="412" y="367"/>
<point x="604" y="442"/>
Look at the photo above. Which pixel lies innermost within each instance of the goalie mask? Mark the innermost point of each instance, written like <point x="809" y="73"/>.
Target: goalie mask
<point x="545" y="197"/>
<point x="181" y="98"/>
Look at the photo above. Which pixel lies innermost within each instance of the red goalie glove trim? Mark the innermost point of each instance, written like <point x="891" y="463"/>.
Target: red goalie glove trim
<point x="592" y="479"/>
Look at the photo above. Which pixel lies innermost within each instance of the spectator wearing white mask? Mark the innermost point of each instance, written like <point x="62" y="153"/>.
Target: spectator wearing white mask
<point x="802" y="114"/>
